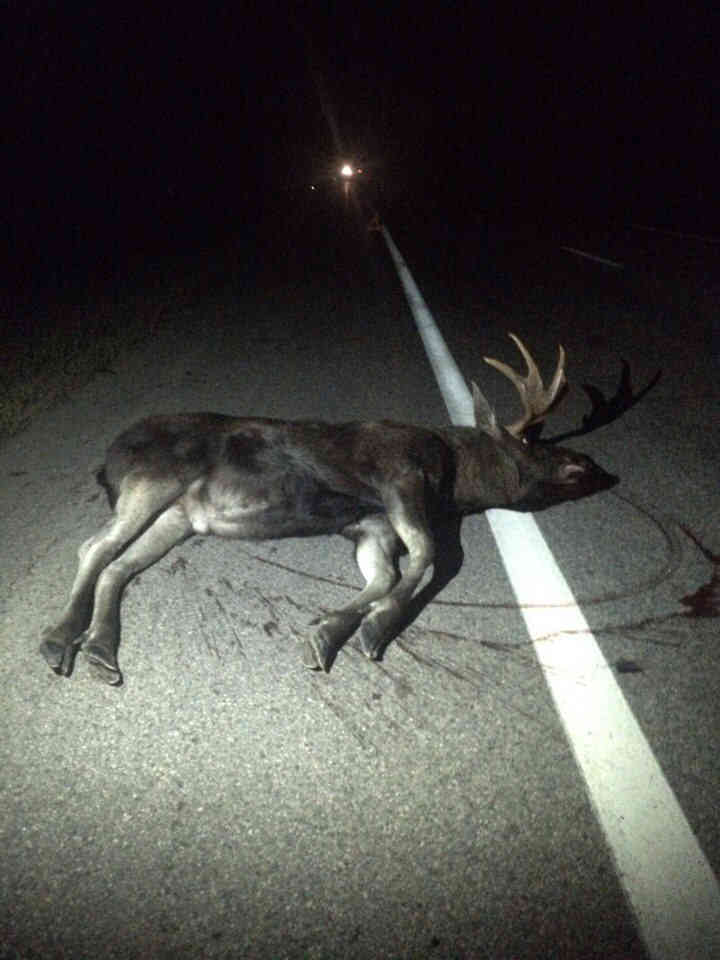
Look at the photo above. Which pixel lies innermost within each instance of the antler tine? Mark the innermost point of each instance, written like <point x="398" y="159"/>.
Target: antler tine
<point x="536" y="399"/>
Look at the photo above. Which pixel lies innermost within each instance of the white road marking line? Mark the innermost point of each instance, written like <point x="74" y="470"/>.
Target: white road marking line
<point x="675" y="233"/>
<point x="672" y="890"/>
<point x="667" y="879"/>
<point x="447" y="373"/>
<point x="593" y="256"/>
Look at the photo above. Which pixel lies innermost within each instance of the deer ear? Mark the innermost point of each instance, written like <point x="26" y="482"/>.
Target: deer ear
<point x="570" y="472"/>
<point x="485" y="418"/>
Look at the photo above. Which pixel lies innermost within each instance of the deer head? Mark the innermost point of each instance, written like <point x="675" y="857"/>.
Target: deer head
<point x="541" y="473"/>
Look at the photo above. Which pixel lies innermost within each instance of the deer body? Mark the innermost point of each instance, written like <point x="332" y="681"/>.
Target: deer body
<point x="386" y="486"/>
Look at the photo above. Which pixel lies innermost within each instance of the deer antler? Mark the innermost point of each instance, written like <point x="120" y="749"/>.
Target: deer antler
<point x="536" y="400"/>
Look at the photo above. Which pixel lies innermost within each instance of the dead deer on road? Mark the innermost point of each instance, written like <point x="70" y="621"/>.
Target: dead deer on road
<point x="385" y="486"/>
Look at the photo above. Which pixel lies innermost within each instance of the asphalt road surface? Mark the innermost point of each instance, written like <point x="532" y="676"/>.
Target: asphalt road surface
<point x="226" y="802"/>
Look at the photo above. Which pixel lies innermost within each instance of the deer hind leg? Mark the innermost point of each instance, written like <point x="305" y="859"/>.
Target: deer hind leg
<point x="140" y="499"/>
<point x="376" y="550"/>
<point x="103" y="635"/>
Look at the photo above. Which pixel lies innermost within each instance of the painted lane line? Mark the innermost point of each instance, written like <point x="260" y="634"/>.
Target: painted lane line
<point x="594" y="256"/>
<point x="675" y="233"/>
<point x="671" y="888"/>
<point x="447" y="373"/>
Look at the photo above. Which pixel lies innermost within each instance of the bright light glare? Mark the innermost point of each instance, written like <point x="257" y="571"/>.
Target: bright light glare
<point x="346" y="170"/>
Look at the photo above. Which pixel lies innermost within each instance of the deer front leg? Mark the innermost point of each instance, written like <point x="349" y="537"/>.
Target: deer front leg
<point x="406" y="512"/>
<point x="376" y="550"/>
<point x="103" y="635"/>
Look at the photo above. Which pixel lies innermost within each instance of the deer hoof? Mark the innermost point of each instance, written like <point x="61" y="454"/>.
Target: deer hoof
<point x="372" y="638"/>
<point x="333" y="630"/>
<point x="59" y="656"/>
<point x="310" y="657"/>
<point x="103" y="665"/>
<point x="319" y="651"/>
<point x="378" y="629"/>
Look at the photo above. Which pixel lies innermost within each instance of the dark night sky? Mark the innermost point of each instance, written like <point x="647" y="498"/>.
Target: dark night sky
<point x="122" y="122"/>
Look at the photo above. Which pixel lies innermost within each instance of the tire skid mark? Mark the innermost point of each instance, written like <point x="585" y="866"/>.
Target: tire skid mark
<point x="206" y="635"/>
<point x="386" y="709"/>
<point x="523" y="654"/>
<point x="473" y="678"/>
<point x="271" y="627"/>
<point x="399" y="691"/>
<point x="238" y="644"/>
<point x="668" y="528"/>
<point x="342" y="715"/>
<point x="704" y="602"/>
<point x="402" y="696"/>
